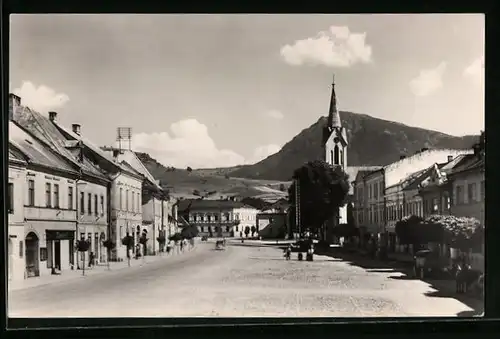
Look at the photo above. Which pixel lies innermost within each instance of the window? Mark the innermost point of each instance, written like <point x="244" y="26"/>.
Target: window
<point x="331" y="157"/>
<point x="82" y="203"/>
<point x="472" y="192"/>
<point x="96" y="203"/>
<point x="138" y="202"/>
<point x="483" y="192"/>
<point x="56" y="195"/>
<point x="435" y="205"/>
<point x="370" y="192"/>
<point x="126" y="201"/>
<point x="70" y="198"/>
<point x="31" y="192"/>
<point x="336" y="155"/>
<point x="341" y="157"/>
<point x="375" y="191"/>
<point x="102" y="205"/>
<point x="21" y="249"/>
<point x="47" y="195"/>
<point x="133" y="202"/>
<point x="121" y="199"/>
<point x="10" y="200"/>
<point x="89" y="203"/>
<point x="460" y="195"/>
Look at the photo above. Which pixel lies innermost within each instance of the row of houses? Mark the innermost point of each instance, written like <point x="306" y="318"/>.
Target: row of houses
<point x="426" y="183"/>
<point x="63" y="188"/>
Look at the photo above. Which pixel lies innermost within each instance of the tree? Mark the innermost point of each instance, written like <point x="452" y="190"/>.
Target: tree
<point x="253" y="229"/>
<point x="409" y="231"/>
<point x="189" y="232"/>
<point x="161" y="242"/>
<point x="323" y="190"/>
<point x="247" y="231"/>
<point x="109" y="245"/>
<point x="189" y="169"/>
<point x="457" y="232"/>
<point x="128" y="242"/>
<point x="82" y="246"/>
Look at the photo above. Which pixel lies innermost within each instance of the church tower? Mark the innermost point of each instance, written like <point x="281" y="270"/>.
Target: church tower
<point x="334" y="135"/>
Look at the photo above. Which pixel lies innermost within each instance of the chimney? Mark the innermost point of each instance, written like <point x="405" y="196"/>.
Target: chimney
<point x="477" y="149"/>
<point x="14" y="103"/>
<point x="424" y="149"/>
<point x="401" y="157"/>
<point x="76" y="128"/>
<point x="450" y="158"/>
<point x="53" y="116"/>
<point x="115" y="153"/>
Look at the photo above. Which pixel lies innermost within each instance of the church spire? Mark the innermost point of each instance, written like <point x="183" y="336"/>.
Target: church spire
<point x="333" y="113"/>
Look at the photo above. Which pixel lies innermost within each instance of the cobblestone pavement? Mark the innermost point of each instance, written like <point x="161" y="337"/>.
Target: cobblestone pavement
<point x="240" y="281"/>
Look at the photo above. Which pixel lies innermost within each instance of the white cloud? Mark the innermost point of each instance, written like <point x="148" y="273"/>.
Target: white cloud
<point x="428" y="81"/>
<point x="189" y="144"/>
<point x="475" y="70"/>
<point x="275" y="114"/>
<point x="263" y="152"/>
<point x="41" y="98"/>
<point x="337" y="47"/>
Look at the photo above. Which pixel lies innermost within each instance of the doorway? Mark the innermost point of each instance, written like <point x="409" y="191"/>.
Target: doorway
<point x="32" y="262"/>
<point x="11" y="259"/>
<point x="57" y="254"/>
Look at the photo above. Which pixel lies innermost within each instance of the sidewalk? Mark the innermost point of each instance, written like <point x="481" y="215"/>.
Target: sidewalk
<point x="102" y="268"/>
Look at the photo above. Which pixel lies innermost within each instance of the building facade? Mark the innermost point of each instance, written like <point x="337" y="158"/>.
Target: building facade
<point x="213" y="218"/>
<point x="16" y="187"/>
<point x="49" y="213"/>
<point x="246" y="216"/>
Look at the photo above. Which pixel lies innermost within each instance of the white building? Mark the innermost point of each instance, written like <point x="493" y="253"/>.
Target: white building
<point x="246" y="217"/>
<point x="49" y="205"/>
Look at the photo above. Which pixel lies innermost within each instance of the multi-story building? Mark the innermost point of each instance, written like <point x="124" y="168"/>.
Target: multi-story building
<point x="246" y="216"/>
<point x="364" y="202"/>
<point x="15" y="208"/>
<point x="213" y="218"/>
<point x="103" y="180"/>
<point x="154" y="199"/>
<point x="468" y="187"/>
<point x="49" y="205"/>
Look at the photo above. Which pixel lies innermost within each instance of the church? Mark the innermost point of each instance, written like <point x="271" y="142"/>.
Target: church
<point x="335" y="145"/>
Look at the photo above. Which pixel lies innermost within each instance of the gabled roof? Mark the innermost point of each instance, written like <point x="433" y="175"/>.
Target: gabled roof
<point x="470" y="162"/>
<point x="16" y="156"/>
<point x="419" y="177"/>
<point x="201" y="204"/>
<point x="136" y="164"/>
<point x="42" y="128"/>
<point x="359" y="172"/>
<point x="37" y="152"/>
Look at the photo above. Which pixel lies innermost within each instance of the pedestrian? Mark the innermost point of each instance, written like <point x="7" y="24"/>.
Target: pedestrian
<point x="182" y="245"/>
<point x="169" y="247"/>
<point x="91" y="259"/>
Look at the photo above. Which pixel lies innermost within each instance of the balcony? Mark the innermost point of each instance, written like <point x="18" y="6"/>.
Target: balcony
<point x="47" y="213"/>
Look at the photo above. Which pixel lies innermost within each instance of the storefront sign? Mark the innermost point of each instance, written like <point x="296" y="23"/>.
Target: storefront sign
<point x="12" y="236"/>
<point x="60" y="235"/>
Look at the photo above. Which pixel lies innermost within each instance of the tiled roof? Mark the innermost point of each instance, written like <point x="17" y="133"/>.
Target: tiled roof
<point x="418" y="177"/>
<point x="353" y="171"/>
<point x="36" y="151"/>
<point x="15" y="155"/>
<point x="136" y="164"/>
<point x="42" y="128"/>
<point x="195" y="204"/>
<point x="129" y="168"/>
<point x="469" y="163"/>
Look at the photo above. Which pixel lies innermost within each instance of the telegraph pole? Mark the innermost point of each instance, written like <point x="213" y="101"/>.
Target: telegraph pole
<point x="297" y="205"/>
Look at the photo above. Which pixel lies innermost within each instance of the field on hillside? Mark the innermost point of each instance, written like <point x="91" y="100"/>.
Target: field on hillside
<point x="192" y="185"/>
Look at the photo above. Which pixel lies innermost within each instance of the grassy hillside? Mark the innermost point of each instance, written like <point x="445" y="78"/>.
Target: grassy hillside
<point x="372" y="142"/>
<point x="181" y="182"/>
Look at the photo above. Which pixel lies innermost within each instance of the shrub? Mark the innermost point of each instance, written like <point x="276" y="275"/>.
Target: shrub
<point x="83" y="245"/>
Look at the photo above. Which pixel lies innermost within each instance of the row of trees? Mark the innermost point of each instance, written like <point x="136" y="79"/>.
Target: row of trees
<point x="458" y="232"/>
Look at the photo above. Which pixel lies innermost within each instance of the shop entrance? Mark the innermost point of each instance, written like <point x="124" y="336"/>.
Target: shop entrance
<point x="57" y="254"/>
<point x="32" y="262"/>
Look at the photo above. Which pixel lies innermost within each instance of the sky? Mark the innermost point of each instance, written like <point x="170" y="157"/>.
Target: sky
<point x="223" y="90"/>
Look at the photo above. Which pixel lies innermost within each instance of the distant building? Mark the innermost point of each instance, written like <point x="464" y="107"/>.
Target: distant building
<point x="217" y="218"/>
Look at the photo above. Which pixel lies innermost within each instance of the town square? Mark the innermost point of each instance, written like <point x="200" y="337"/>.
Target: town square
<point x="185" y="182"/>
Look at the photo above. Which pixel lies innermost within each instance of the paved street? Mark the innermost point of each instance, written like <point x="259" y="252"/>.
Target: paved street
<point x="240" y="281"/>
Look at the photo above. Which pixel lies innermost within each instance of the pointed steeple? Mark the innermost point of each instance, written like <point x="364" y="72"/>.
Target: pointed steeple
<point x="333" y="113"/>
